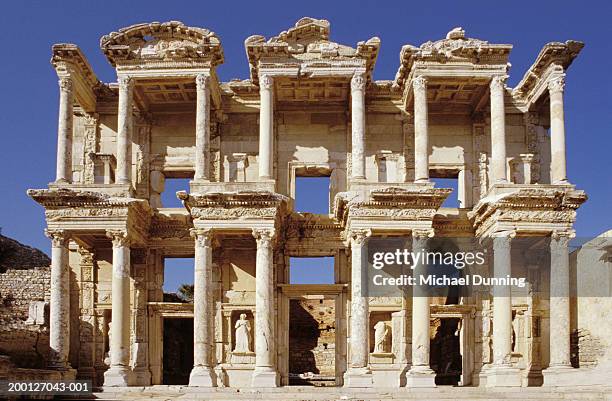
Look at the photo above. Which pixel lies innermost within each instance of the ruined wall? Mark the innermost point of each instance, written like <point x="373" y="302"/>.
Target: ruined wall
<point x="14" y="255"/>
<point x="26" y="343"/>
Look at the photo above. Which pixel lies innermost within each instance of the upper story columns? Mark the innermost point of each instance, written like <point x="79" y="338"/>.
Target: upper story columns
<point x="498" y="129"/>
<point x="358" y="84"/>
<point x="202" y="156"/>
<point x="124" y="130"/>
<point x="64" y="131"/>
<point x="421" y="134"/>
<point x="266" y="127"/>
<point x="558" y="172"/>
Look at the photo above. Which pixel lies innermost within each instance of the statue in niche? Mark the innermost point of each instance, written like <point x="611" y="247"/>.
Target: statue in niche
<point x="243" y="334"/>
<point x="381" y="332"/>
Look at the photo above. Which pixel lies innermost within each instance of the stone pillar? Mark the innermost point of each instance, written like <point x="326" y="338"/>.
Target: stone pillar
<point x="64" y="132"/>
<point x="59" y="319"/>
<point x="119" y="373"/>
<point x="560" y="334"/>
<point x="202" y="373"/>
<point x="420" y="374"/>
<point x="358" y="374"/>
<point x="421" y="135"/>
<point x="501" y="373"/>
<point x="358" y="126"/>
<point x="202" y="156"/>
<point x="265" y="374"/>
<point x="124" y="131"/>
<point x="266" y="127"/>
<point x="498" y="129"/>
<point x="558" y="173"/>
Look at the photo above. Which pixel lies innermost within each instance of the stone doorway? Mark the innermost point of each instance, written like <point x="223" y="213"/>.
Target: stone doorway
<point x="177" y="359"/>
<point x="445" y="352"/>
<point x="312" y="342"/>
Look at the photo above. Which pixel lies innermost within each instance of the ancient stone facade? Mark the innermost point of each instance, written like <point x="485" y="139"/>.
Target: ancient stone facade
<point x="310" y="107"/>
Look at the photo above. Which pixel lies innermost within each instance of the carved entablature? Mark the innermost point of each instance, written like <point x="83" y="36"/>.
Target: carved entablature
<point x="527" y="211"/>
<point x="308" y="47"/>
<point x="156" y="45"/>
<point x="93" y="212"/>
<point x="238" y="209"/>
<point x="169" y="227"/>
<point x="313" y="232"/>
<point x="554" y="58"/>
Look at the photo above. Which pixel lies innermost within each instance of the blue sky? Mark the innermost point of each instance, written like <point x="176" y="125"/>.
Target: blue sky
<point x="29" y="101"/>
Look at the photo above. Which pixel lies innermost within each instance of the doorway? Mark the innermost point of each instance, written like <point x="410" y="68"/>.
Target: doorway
<point x="177" y="359"/>
<point x="445" y="351"/>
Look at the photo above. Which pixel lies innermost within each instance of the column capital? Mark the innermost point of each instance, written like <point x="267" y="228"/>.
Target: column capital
<point x="357" y="237"/>
<point x="562" y="238"/>
<point x="263" y="236"/>
<point x="502" y="239"/>
<point x="119" y="238"/>
<point x="202" y="81"/>
<point x="423" y="233"/>
<point x="203" y="236"/>
<point x="59" y="238"/>
<point x="65" y="83"/>
<point x="498" y="82"/>
<point x="266" y="81"/>
<point x="358" y="82"/>
<point x="419" y="83"/>
<point x="125" y="82"/>
<point x="556" y="84"/>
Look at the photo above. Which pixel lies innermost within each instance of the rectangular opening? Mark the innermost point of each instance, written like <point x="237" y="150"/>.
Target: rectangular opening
<point x="449" y="182"/>
<point x="312" y="194"/>
<point x="319" y="270"/>
<point x="177" y="356"/>
<point x="445" y="351"/>
<point x="171" y="187"/>
<point x="312" y="342"/>
<point x="178" y="279"/>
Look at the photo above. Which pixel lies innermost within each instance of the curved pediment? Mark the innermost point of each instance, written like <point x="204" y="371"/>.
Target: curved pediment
<point x="157" y="41"/>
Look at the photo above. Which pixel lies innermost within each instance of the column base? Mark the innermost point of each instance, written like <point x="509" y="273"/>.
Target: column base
<point x="557" y="375"/>
<point x="141" y="376"/>
<point x="421" y="376"/>
<point x="202" y="376"/>
<point x="118" y="376"/>
<point x="503" y="376"/>
<point x="358" y="377"/>
<point x="265" y="377"/>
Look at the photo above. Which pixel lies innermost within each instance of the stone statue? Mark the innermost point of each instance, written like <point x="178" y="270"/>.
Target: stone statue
<point x="380" y="337"/>
<point x="243" y="334"/>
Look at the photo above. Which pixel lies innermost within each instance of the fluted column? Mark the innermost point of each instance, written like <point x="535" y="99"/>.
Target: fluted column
<point x="64" y="132"/>
<point x="558" y="168"/>
<point x="498" y="129"/>
<point x="265" y="374"/>
<point x="501" y="373"/>
<point x="266" y="127"/>
<point x="202" y="156"/>
<point x="420" y="373"/>
<point x="421" y="127"/>
<point x="59" y="319"/>
<point x="124" y="130"/>
<point x="358" y="126"/>
<point x="202" y="373"/>
<point x="119" y="373"/>
<point x="560" y="334"/>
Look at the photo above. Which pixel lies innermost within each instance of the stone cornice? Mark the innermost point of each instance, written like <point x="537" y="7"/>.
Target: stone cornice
<point x="69" y="61"/>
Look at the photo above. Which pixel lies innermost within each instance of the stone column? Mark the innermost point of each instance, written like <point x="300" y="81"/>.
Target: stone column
<point x="202" y="156"/>
<point x="501" y="373"/>
<point x="59" y="319"/>
<point x="64" y="132"/>
<point x="498" y="129"/>
<point x="265" y="374"/>
<point x="124" y="131"/>
<point x="202" y="373"/>
<point x="266" y="127"/>
<point x="359" y="374"/>
<point x="358" y="126"/>
<point x="119" y="373"/>
<point x="560" y="334"/>
<point x="421" y="134"/>
<point x="420" y="373"/>
<point x="558" y="173"/>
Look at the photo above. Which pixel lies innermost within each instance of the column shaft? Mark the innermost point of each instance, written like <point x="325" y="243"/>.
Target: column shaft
<point x="358" y="126"/>
<point x="498" y="129"/>
<point x="502" y="302"/>
<point x="59" y="320"/>
<point x="559" y="301"/>
<point x="124" y="131"/>
<point x="202" y="156"/>
<point x="421" y="127"/>
<point x="64" y="132"/>
<point x="202" y="373"/>
<point x="359" y="303"/>
<point x="558" y="168"/>
<point x="266" y="127"/>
